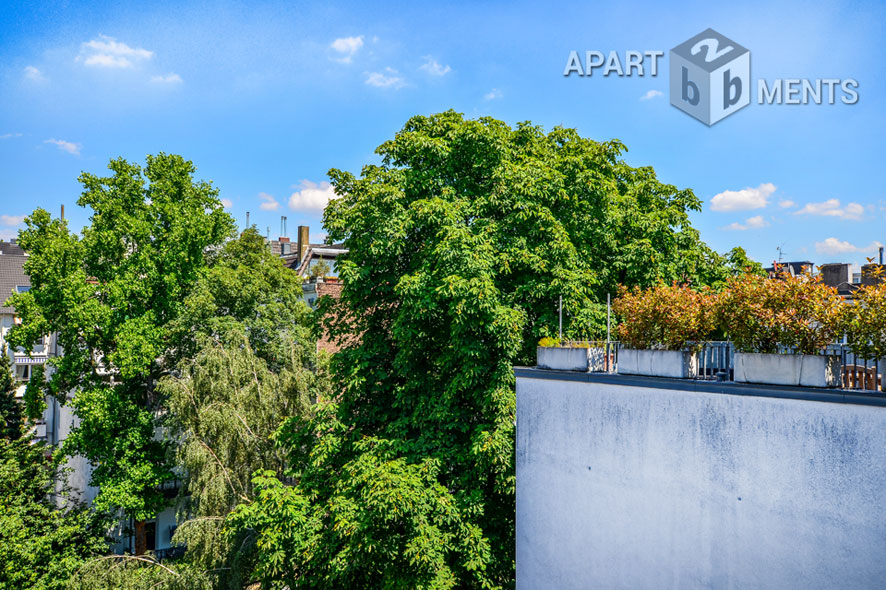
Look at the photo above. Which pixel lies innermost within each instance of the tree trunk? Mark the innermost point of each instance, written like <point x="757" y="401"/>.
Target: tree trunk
<point x="141" y="537"/>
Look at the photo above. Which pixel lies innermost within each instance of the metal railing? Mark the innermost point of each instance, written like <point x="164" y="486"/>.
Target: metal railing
<point x="716" y="362"/>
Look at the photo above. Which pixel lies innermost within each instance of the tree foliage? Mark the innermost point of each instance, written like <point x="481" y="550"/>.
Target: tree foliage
<point x="791" y="312"/>
<point x="250" y="361"/>
<point x="110" y="295"/>
<point x="668" y="317"/>
<point x="866" y="319"/>
<point x="44" y="535"/>
<point x="11" y="419"/>
<point x="126" y="572"/>
<point x="460" y="244"/>
<point x="739" y="263"/>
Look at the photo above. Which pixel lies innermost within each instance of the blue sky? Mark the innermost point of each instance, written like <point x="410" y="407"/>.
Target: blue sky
<point x="266" y="97"/>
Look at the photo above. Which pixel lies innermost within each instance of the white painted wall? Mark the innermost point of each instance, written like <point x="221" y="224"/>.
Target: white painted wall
<point x="630" y="487"/>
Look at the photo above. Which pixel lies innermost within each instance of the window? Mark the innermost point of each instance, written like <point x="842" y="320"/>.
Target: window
<point x="22" y="288"/>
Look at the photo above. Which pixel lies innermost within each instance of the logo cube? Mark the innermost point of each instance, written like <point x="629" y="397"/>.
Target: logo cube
<point x="710" y="76"/>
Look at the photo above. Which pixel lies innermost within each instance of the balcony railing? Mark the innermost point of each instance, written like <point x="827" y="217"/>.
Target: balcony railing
<point x="717" y="362"/>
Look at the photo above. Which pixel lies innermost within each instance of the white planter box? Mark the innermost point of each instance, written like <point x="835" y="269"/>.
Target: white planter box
<point x="806" y="370"/>
<point x="571" y="359"/>
<point x="678" y="364"/>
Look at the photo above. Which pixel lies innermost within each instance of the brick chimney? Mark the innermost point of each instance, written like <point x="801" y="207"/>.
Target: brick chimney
<point x="303" y="240"/>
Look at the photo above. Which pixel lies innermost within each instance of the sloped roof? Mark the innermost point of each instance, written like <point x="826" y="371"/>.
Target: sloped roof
<point x="11" y="276"/>
<point x="11" y="248"/>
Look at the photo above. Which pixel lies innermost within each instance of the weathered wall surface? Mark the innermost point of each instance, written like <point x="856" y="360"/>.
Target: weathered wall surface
<point x="634" y="487"/>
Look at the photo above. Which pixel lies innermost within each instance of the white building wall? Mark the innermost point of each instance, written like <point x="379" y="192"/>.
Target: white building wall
<point x="641" y="487"/>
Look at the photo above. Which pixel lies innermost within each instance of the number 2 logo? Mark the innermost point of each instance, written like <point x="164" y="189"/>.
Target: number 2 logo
<point x="712" y="51"/>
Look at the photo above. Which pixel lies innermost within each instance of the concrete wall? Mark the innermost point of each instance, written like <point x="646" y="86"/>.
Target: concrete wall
<point x="638" y="487"/>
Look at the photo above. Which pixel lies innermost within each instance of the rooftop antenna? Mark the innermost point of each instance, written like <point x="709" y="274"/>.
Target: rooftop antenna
<point x="881" y="254"/>
<point x="780" y="253"/>
<point x="269" y="233"/>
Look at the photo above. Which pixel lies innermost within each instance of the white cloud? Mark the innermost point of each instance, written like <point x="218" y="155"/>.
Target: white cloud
<point x="433" y="67"/>
<point x="347" y="48"/>
<point x="493" y="94"/>
<point x="651" y="94"/>
<point x="835" y="246"/>
<point x="746" y="198"/>
<point x="832" y="208"/>
<point x="10" y="135"/>
<point x="755" y="222"/>
<point x="227" y="203"/>
<point x="35" y="75"/>
<point x="269" y="203"/>
<point x="108" y="61"/>
<point x="391" y="79"/>
<point x="107" y="52"/>
<point x="11" y="220"/>
<point x="65" y="146"/>
<point x="312" y="195"/>
<point x="167" y="79"/>
<point x="786" y="204"/>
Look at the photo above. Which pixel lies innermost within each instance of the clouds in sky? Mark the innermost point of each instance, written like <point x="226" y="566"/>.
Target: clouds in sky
<point x="107" y="52"/>
<point x="11" y="220"/>
<point x="10" y="135"/>
<point x="269" y="203"/>
<point x="493" y="94"/>
<point x="755" y="222"/>
<point x="832" y="208"/>
<point x="346" y="48"/>
<point x="833" y="246"/>
<point x="34" y="75"/>
<point x="65" y="146"/>
<point x="227" y="203"/>
<point x="433" y="67"/>
<point x="167" y="79"/>
<point x="651" y="94"/>
<point x="389" y="78"/>
<point x="312" y="196"/>
<point x="743" y="200"/>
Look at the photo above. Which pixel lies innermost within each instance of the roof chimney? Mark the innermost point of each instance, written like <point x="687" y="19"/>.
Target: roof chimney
<point x="63" y="218"/>
<point x="881" y="254"/>
<point x="303" y="240"/>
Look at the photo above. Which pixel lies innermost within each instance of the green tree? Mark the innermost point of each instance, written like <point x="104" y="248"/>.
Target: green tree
<point x="44" y="535"/>
<point x="251" y="361"/>
<point x="739" y="263"/>
<point x="110" y="296"/>
<point x="320" y="269"/>
<point x="460" y="243"/>
<point x="128" y="572"/>
<point x="11" y="420"/>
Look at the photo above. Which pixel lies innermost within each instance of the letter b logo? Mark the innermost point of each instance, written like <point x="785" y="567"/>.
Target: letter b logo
<point x="710" y="76"/>
<point x="690" y="89"/>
